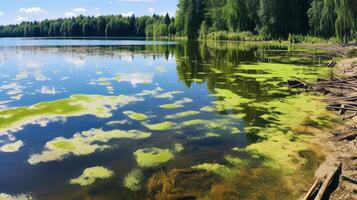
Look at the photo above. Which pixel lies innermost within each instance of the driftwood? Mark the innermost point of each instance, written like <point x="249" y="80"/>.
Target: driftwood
<point x="331" y="63"/>
<point x="314" y="189"/>
<point x="350" y="179"/>
<point x="296" y="84"/>
<point x="322" y="187"/>
<point x="350" y="136"/>
<point x="336" y="173"/>
<point x="344" y="95"/>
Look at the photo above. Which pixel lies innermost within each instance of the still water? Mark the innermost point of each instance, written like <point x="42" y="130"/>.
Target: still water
<point x="136" y="119"/>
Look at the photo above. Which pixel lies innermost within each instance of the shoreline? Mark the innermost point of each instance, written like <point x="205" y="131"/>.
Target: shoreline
<point x="341" y="141"/>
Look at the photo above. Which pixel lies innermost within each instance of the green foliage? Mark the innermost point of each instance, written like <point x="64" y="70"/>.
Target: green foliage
<point x="344" y="24"/>
<point x="213" y="20"/>
<point x="293" y="38"/>
<point x="109" y="26"/>
<point x="240" y="36"/>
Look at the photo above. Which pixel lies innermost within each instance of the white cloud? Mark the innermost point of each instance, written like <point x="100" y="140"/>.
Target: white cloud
<point x="79" y="10"/>
<point x="70" y="14"/>
<point x="136" y="78"/>
<point x="151" y="10"/>
<point x="128" y="14"/>
<point x="75" y="12"/>
<point x="19" y="19"/>
<point x="31" y="10"/>
<point x="1" y="13"/>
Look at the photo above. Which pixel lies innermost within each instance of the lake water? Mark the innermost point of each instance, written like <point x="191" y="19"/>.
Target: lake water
<point x="157" y="120"/>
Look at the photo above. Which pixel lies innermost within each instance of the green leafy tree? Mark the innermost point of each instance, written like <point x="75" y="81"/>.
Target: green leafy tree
<point x="345" y="21"/>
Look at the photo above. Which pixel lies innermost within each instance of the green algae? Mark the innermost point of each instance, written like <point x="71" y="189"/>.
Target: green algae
<point x="207" y="109"/>
<point x="287" y="160"/>
<point x="162" y="126"/>
<point x="237" y="162"/>
<point x="194" y="122"/>
<point x="76" y="105"/>
<point x="215" y="168"/>
<point x="182" y="114"/>
<point x="90" y="175"/>
<point x="117" y="122"/>
<point x="63" y="144"/>
<point x="12" y="147"/>
<point x="230" y="100"/>
<point x="226" y="124"/>
<point x="133" y="180"/>
<point x="151" y="157"/>
<point x="135" y="116"/>
<point x="287" y="118"/>
<point x="293" y="110"/>
<point x="176" y="104"/>
<point x="170" y="106"/>
<point x="4" y="196"/>
<point x="266" y="72"/>
<point x="207" y="135"/>
<point x="82" y="144"/>
<point x="178" y="148"/>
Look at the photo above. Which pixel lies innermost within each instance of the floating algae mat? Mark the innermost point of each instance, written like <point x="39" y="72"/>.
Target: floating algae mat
<point x="158" y="119"/>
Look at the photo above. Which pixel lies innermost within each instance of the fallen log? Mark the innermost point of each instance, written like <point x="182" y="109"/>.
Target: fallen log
<point x="350" y="179"/>
<point x="331" y="63"/>
<point x="314" y="189"/>
<point x="336" y="173"/>
<point x="349" y="137"/>
<point x="296" y="84"/>
<point x="341" y="108"/>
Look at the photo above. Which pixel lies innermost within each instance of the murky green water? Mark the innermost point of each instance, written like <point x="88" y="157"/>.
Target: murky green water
<point x="114" y="119"/>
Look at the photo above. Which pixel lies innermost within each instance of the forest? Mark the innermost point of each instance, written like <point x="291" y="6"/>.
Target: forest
<point x="213" y="19"/>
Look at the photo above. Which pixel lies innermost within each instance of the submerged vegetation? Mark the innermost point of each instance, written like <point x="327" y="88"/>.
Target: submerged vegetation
<point x="133" y="180"/>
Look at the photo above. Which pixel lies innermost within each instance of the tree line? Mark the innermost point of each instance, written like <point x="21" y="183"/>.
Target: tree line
<point x="211" y="19"/>
<point x="89" y="26"/>
<point x="271" y="19"/>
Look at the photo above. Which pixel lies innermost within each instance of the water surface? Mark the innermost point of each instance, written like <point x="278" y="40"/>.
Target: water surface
<point x="244" y="116"/>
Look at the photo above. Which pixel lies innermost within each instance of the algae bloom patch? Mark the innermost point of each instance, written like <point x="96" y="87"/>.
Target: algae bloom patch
<point x="151" y="157"/>
<point x="176" y="104"/>
<point x="218" y="169"/>
<point x="135" y="116"/>
<point x="83" y="144"/>
<point x="12" y="147"/>
<point x="90" y="175"/>
<point x="12" y="120"/>
<point x="162" y="126"/>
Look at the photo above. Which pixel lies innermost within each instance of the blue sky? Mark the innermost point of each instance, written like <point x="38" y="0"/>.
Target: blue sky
<point x="15" y="11"/>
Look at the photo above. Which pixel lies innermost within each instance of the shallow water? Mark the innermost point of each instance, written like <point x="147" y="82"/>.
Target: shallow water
<point x="236" y="91"/>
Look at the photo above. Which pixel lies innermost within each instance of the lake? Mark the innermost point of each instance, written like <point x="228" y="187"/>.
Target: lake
<point x="136" y="119"/>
